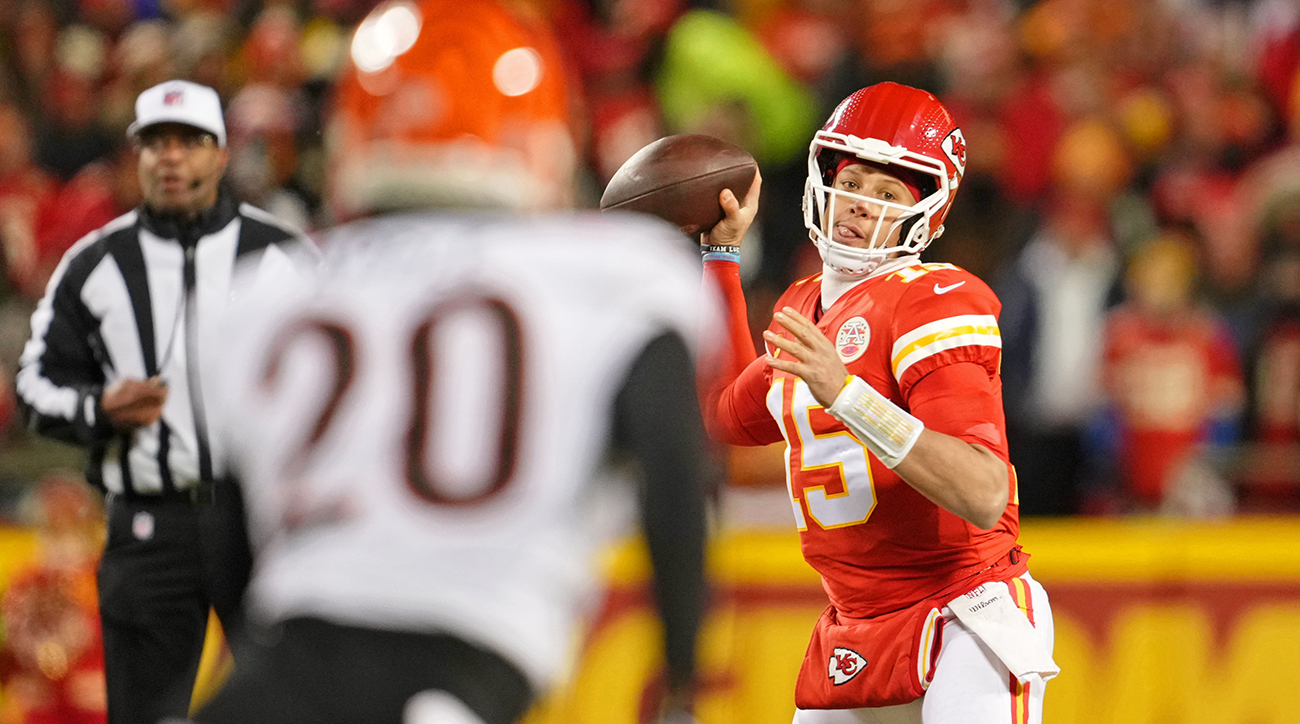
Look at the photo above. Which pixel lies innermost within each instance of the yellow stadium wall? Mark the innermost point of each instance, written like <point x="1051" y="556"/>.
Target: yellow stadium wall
<point x="17" y="551"/>
<point x="1157" y="622"/>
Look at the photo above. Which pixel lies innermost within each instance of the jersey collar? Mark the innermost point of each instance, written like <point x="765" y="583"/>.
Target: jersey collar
<point x="208" y="221"/>
<point x="835" y="284"/>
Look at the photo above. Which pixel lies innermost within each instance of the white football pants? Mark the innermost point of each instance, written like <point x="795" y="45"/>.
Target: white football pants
<point x="438" y="707"/>
<point x="970" y="686"/>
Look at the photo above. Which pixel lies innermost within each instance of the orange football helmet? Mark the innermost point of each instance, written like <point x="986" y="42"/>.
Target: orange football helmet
<point x="450" y="103"/>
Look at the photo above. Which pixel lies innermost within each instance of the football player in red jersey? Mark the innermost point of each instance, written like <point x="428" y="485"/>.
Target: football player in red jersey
<point x="882" y="375"/>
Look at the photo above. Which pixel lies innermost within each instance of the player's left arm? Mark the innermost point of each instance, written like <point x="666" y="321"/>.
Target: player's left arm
<point x="958" y="472"/>
<point x="657" y="422"/>
<point x="959" y="461"/>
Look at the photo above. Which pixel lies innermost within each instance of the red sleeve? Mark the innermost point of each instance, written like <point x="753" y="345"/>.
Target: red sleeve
<point x="1223" y="355"/>
<point x="733" y="395"/>
<point x="1112" y="353"/>
<point x="1225" y="368"/>
<point x="963" y="401"/>
<point x="737" y="413"/>
<point x="948" y="319"/>
<point x="725" y="276"/>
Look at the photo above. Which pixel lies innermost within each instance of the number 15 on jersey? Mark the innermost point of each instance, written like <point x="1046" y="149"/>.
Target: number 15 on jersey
<point x="825" y="465"/>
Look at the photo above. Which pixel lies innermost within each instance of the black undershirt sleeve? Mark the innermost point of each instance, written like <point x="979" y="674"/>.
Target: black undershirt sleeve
<point x="658" y="423"/>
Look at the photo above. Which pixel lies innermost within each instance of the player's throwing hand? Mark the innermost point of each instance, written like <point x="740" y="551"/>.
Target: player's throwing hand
<point x="738" y="216"/>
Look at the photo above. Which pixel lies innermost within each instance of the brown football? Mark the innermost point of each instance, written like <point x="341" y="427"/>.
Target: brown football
<point x="678" y="179"/>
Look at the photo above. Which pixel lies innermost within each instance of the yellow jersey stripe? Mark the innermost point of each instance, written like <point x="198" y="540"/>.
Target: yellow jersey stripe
<point x="969" y="336"/>
<point x="940" y="325"/>
<point x="943" y="334"/>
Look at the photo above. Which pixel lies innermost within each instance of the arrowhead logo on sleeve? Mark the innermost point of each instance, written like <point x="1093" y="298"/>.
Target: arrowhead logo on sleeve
<point x="845" y="664"/>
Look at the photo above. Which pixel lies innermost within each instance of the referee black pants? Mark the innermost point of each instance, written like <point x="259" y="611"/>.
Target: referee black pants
<point x="167" y="560"/>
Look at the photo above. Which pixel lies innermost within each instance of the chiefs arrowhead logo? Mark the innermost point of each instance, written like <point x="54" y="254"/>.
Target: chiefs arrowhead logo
<point x="955" y="148"/>
<point x="845" y="664"/>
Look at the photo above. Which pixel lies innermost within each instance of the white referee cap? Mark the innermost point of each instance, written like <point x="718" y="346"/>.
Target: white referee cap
<point x="180" y="101"/>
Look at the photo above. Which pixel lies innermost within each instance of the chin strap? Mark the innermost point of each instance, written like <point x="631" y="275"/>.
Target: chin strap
<point x="838" y="260"/>
<point x="886" y="429"/>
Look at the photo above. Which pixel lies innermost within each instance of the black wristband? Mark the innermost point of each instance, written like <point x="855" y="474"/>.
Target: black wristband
<point x="719" y="249"/>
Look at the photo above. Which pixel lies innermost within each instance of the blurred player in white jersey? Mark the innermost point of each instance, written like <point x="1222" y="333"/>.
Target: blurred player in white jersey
<point x="424" y="428"/>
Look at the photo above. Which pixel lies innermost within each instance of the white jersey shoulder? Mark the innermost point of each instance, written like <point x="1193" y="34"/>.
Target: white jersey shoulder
<point x="419" y="424"/>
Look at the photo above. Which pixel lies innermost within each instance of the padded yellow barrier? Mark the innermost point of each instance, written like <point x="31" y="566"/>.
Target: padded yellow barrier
<point x="1165" y="621"/>
<point x="1157" y="622"/>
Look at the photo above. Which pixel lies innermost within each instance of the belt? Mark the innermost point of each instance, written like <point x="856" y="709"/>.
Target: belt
<point x="198" y="495"/>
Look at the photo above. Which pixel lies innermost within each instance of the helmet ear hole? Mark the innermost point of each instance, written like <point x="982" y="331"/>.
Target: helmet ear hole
<point x="909" y="228"/>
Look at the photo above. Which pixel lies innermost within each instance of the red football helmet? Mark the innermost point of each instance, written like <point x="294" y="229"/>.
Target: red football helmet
<point x="457" y="103"/>
<point x="909" y="133"/>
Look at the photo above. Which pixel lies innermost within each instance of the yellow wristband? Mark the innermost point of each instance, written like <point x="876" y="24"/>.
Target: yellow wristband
<point x="848" y="380"/>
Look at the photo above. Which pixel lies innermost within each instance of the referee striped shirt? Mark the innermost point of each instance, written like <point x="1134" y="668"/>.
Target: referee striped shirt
<point x="129" y="301"/>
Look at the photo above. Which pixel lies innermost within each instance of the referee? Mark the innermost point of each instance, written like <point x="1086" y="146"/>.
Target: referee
<point x="112" y="366"/>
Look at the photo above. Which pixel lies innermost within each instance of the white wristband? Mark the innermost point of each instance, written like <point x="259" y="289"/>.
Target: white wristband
<point x="886" y="430"/>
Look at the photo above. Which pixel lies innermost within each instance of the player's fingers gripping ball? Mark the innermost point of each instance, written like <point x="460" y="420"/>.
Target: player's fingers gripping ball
<point x="737" y="217"/>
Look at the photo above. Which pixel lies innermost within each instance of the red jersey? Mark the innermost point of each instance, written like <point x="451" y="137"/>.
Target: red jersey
<point x="1169" y="380"/>
<point x="925" y="336"/>
<point x="1277" y="383"/>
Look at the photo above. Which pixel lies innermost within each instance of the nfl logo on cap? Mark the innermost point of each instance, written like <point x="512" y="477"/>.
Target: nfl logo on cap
<point x="180" y="101"/>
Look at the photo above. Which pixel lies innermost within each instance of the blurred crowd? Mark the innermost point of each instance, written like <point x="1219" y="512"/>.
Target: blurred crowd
<point x="52" y="655"/>
<point x="1132" y="192"/>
